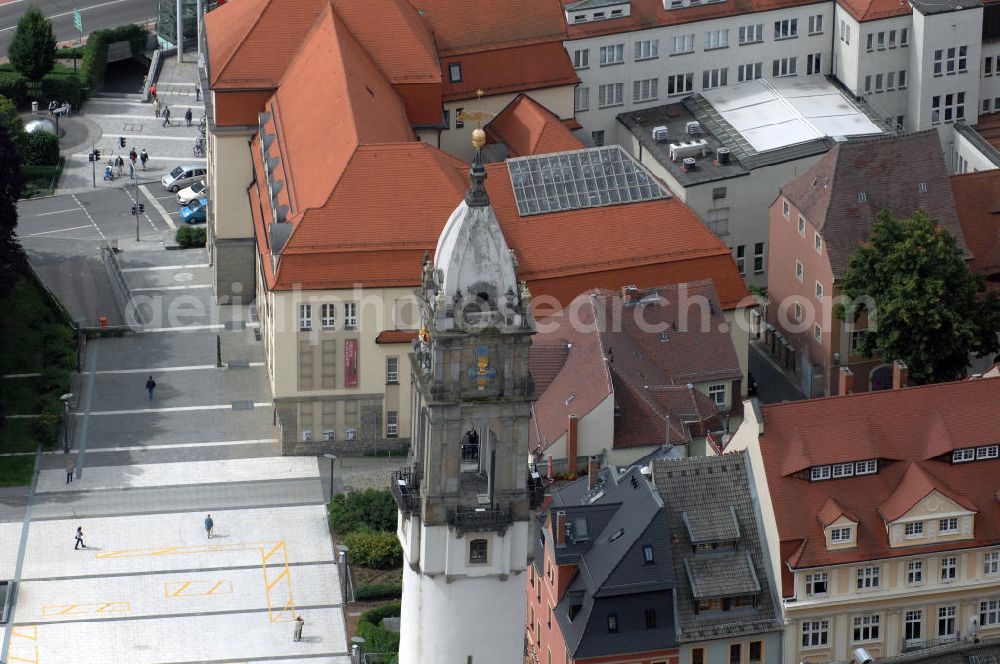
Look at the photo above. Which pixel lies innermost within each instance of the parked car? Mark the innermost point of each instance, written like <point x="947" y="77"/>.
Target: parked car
<point x="194" y="212"/>
<point x="183" y="176"/>
<point x="195" y="191"/>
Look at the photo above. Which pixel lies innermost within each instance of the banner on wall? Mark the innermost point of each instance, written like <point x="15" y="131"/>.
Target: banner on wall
<point x="350" y="363"/>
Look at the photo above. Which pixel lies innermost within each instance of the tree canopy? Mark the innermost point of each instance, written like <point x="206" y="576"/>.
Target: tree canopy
<point x="924" y="304"/>
<point x="32" y="51"/>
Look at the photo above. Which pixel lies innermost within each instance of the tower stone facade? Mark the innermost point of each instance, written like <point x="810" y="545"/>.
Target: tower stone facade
<point x="466" y="496"/>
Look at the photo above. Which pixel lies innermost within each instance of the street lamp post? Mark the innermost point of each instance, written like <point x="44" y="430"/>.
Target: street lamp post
<point x="65" y="417"/>
<point x="357" y="642"/>
<point x="333" y="459"/>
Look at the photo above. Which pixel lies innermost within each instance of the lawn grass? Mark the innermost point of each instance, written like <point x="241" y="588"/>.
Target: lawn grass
<point x="41" y="180"/>
<point x="20" y="396"/>
<point x="16" y="471"/>
<point x="17" y="436"/>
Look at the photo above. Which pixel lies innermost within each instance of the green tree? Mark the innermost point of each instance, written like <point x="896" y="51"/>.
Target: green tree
<point x="363" y="510"/>
<point x="32" y="51"/>
<point x="9" y="116"/>
<point x="925" y="306"/>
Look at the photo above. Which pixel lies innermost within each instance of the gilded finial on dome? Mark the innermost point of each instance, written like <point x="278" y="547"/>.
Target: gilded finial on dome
<point x="478" y="138"/>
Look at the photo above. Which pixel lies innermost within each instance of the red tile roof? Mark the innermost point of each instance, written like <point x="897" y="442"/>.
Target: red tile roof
<point x="888" y="171"/>
<point x="526" y="128"/>
<point x="872" y="10"/>
<point x="396" y="336"/>
<point x="251" y="42"/>
<point x="395" y="36"/>
<point x="510" y="69"/>
<point x="977" y="199"/>
<point x="832" y="511"/>
<point x="894" y="426"/>
<point x="474" y="23"/>
<point x="617" y="348"/>
<point x="988" y="126"/>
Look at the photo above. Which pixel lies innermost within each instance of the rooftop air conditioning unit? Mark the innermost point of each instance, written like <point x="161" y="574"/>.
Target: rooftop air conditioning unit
<point x="722" y="156"/>
<point x="690" y="164"/>
<point x="660" y="134"/>
<point x="693" y="128"/>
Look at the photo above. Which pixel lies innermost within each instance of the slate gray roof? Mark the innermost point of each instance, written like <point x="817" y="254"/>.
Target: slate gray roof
<point x="842" y="193"/>
<point x="612" y="575"/>
<point x="707" y="526"/>
<point x="716" y="576"/>
<point x="715" y="488"/>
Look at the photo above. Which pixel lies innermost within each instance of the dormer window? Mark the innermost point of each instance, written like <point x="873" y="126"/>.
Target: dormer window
<point x="819" y="473"/>
<point x="914" y="529"/>
<point x="948" y="526"/>
<point x="961" y="456"/>
<point x="816" y="583"/>
<point x="981" y="453"/>
<point x="612" y="623"/>
<point x="647" y="554"/>
<point x="455" y="72"/>
<point x="841" y="535"/>
<point x="841" y="470"/>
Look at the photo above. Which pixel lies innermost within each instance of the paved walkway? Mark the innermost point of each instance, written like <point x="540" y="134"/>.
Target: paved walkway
<point x="150" y="586"/>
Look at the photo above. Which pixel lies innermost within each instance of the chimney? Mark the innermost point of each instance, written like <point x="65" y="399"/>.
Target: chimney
<point x="846" y="385"/>
<point x="560" y="527"/>
<point x="571" y="444"/>
<point x="630" y="294"/>
<point x="593" y="468"/>
<point x="900" y="374"/>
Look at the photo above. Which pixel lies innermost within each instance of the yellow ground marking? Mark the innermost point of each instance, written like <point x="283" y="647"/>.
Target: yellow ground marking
<point x="197" y="588"/>
<point x="278" y="588"/>
<point x="82" y="609"/>
<point x="31" y="635"/>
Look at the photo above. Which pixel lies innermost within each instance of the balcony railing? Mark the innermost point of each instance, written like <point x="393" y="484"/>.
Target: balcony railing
<point x="405" y="490"/>
<point x="913" y="646"/>
<point x="469" y="519"/>
<point x="470" y="452"/>
<point x="536" y="490"/>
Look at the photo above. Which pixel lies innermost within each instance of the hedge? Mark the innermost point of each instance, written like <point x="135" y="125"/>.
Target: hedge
<point x="363" y="510"/>
<point x="13" y="86"/>
<point x="377" y="638"/>
<point x="62" y="86"/>
<point x="378" y="591"/>
<point x="95" y="54"/>
<point x="189" y="237"/>
<point x="38" y="149"/>
<point x="378" y="550"/>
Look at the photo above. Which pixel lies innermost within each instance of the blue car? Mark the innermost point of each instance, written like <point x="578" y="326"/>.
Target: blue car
<point x="194" y="212"/>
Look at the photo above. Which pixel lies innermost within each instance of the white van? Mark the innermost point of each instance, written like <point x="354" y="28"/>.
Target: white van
<point x="183" y="176"/>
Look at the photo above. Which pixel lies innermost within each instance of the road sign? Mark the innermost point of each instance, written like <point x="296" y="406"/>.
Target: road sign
<point x="78" y="20"/>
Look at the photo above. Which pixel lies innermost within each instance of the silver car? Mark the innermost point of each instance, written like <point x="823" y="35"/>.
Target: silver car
<point x="183" y="176"/>
<point x="192" y="193"/>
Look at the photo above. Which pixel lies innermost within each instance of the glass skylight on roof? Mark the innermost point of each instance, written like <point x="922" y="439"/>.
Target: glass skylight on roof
<point x="595" y="177"/>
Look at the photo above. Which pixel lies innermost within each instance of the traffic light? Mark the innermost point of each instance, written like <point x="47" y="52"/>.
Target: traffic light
<point x="97" y="154"/>
<point x="90" y="156"/>
<point x="121" y="141"/>
<point x="133" y="211"/>
<point x="142" y="208"/>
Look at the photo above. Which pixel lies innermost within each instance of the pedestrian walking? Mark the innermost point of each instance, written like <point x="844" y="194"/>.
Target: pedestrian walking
<point x="166" y="116"/>
<point x="70" y="469"/>
<point x="197" y="90"/>
<point x="143" y="157"/>
<point x="119" y="165"/>
<point x="299" y="624"/>
<point x="187" y="117"/>
<point x="150" y="386"/>
<point x="209" y="526"/>
<point x="157" y="106"/>
<point x="79" y="539"/>
<point x="52" y="107"/>
<point x="152" y="90"/>
<point x="133" y="155"/>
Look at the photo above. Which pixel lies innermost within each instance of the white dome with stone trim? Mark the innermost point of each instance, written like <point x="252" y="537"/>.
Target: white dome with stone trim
<point x="472" y="255"/>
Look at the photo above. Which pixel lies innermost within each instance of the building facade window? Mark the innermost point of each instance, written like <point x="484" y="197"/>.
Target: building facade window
<point x="915" y="529"/>
<point x="597" y="137"/>
<point x="697" y="656"/>
<point x="867" y="467"/>
<point x="816" y="24"/>
<point x="751" y="34"/>
<point x="845" y="32"/>
<point x="989" y="613"/>
<point x="758" y="258"/>
<point x="843" y="470"/>
<point x="717" y="393"/>
<point x="683" y="44"/>
<point x="786" y="28"/>
<point x="987" y="452"/>
<point x="866" y="628"/>
<point x="840" y="535"/>
<point x="679" y="83"/>
<point x="305" y="317"/>
<point x="716" y="39"/>
<point x="799" y="271"/>
<point x="946" y="621"/>
<point x="915" y="572"/>
<point x="901" y="81"/>
<point x="991" y="563"/>
<point x="581" y="58"/>
<point x="818" y="243"/>
<point x="785" y="207"/>
<point x="798" y="312"/>
<point x="581" y="99"/>
<point x="479" y="552"/>
<point x="815" y="633"/>
<point x="613" y="54"/>
<point x="350" y="315"/>
<point x="818" y="473"/>
<point x="749" y="72"/>
<point x="913" y="625"/>
<point x="392" y="369"/>
<point x="949" y="568"/>
<point x="647" y="49"/>
<point x="784" y="67"/>
<point x="735" y="653"/>
<point x="610" y="94"/>
<point x="612" y="623"/>
<point x="819" y="291"/>
<point x="645" y="90"/>
<point x="948" y="526"/>
<point x="868" y="577"/>
<point x="741" y="259"/>
<point x="714" y="78"/>
<point x="816" y="583"/>
<point x="392" y="424"/>
<point x="802" y="226"/>
<point x="455" y="72"/>
<point x="814" y="62"/>
<point x="329" y="316"/>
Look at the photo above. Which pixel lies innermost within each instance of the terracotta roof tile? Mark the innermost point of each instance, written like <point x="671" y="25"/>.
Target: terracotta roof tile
<point x="871" y="10"/>
<point x="547" y="360"/>
<point x="888" y="171"/>
<point x="977" y="199"/>
<point x="395" y="35"/>
<point x="526" y="128"/>
<point x="504" y="70"/>
<point x="251" y="42"/>
<point x="396" y="336"/>
<point x="475" y="23"/>
<point x="832" y="510"/>
<point x="915" y="485"/>
<point x="899" y="418"/>
<point x="988" y="126"/>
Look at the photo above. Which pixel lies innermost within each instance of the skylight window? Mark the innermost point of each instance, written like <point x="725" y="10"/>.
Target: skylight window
<point x="455" y="72"/>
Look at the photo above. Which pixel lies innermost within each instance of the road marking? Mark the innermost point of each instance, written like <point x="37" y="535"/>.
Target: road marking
<point x="158" y="206"/>
<point x="45" y="214"/>
<point x="172" y="409"/>
<point x="82" y="609"/>
<point x="61" y="230"/>
<point x="159" y="288"/>
<point x="23" y="633"/>
<point x="87" y="212"/>
<point x="184" y="160"/>
<point x="193" y="328"/>
<point x="140" y="448"/>
<point x="165" y="267"/>
<point x="197" y="588"/>
<point x="190" y="367"/>
<point x="69" y="13"/>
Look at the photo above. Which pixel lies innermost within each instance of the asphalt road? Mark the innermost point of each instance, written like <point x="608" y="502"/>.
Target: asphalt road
<point x="97" y="14"/>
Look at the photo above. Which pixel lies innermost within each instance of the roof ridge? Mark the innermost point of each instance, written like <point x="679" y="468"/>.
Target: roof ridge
<point x="264" y="5"/>
<point x="910" y="388"/>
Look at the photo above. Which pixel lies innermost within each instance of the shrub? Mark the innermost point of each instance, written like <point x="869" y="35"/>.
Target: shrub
<point x="62" y="86"/>
<point x="378" y="591"/>
<point x="13" y="86"/>
<point x="188" y="237"/>
<point x="379" y="550"/>
<point x="363" y="510"/>
<point x="38" y="149"/>
<point x="66" y="53"/>
<point x="377" y="638"/>
<point x="9" y="117"/>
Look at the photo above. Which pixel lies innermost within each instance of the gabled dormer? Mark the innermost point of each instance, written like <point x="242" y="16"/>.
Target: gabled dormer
<point x="840" y="526"/>
<point x="923" y="510"/>
<point x="711" y="531"/>
<point x="588" y="11"/>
